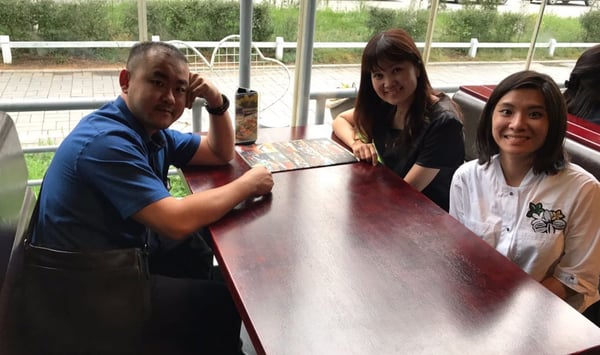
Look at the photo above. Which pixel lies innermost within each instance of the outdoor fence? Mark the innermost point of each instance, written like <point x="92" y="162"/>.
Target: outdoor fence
<point x="279" y="45"/>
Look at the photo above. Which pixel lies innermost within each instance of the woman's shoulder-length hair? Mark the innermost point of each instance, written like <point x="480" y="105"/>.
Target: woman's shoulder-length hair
<point x="550" y="157"/>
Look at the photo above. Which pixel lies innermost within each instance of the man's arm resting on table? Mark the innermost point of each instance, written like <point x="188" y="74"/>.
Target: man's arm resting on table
<point x="177" y="218"/>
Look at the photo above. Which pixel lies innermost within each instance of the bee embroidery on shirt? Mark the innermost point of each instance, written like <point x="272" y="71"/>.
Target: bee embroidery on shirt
<point x="545" y="221"/>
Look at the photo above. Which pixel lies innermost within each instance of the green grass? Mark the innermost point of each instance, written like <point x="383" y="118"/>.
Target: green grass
<point x="330" y="26"/>
<point x="179" y="187"/>
<point x="37" y="164"/>
<point x="561" y="29"/>
<point x="350" y="26"/>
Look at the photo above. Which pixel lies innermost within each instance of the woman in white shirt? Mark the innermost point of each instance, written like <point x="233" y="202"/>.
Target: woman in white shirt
<point x="522" y="195"/>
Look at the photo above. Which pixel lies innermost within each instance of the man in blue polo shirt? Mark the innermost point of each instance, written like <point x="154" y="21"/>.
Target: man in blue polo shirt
<point x="106" y="187"/>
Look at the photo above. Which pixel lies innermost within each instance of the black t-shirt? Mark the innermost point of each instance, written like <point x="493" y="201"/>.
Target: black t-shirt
<point x="438" y="145"/>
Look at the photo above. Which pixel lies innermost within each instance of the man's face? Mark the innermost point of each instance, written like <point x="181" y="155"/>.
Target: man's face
<point x="155" y="90"/>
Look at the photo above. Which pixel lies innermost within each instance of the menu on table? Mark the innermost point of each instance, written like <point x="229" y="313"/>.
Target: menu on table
<point x="295" y="154"/>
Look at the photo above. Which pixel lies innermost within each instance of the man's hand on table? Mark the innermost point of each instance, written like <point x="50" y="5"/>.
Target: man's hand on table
<point x="260" y="179"/>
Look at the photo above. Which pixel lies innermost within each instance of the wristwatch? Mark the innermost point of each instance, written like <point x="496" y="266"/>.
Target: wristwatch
<point x="218" y="111"/>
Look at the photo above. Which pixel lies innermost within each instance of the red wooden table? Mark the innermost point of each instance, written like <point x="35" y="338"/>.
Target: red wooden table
<point x="349" y="259"/>
<point x="578" y="129"/>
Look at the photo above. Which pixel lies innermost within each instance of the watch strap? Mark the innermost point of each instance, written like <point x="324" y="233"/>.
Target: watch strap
<point x="219" y="110"/>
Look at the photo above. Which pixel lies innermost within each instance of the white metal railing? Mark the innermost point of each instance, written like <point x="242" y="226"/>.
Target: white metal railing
<point x="28" y="105"/>
<point x="279" y="45"/>
<point x="82" y="103"/>
<point x="31" y="105"/>
<point x="321" y="98"/>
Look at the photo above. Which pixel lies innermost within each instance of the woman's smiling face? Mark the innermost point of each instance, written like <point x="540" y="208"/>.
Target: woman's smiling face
<point x="520" y="123"/>
<point x="395" y="82"/>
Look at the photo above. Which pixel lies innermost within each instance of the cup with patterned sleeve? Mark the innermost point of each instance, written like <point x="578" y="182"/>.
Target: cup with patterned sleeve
<point x="246" y="116"/>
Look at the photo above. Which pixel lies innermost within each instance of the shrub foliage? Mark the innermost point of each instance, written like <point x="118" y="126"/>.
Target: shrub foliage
<point x="590" y="23"/>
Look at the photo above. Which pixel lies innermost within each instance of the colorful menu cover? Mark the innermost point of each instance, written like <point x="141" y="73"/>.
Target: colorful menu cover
<point x="295" y="154"/>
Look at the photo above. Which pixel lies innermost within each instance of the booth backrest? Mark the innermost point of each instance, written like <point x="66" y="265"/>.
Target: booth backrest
<point x="471" y="108"/>
<point x="586" y="157"/>
<point x="13" y="182"/>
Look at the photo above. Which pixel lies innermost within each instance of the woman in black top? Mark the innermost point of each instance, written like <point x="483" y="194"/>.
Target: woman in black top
<point x="400" y="121"/>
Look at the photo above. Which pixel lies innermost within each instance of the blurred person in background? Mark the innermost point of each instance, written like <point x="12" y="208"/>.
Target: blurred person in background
<point x="583" y="87"/>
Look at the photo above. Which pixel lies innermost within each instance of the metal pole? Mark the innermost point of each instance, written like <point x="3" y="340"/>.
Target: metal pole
<point x="536" y="31"/>
<point x="142" y="20"/>
<point x="304" y="62"/>
<point x="245" y="42"/>
<point x="430" y="26"/>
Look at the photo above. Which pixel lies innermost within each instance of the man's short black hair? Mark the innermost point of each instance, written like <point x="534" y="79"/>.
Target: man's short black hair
<point x="141" y="49"/>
